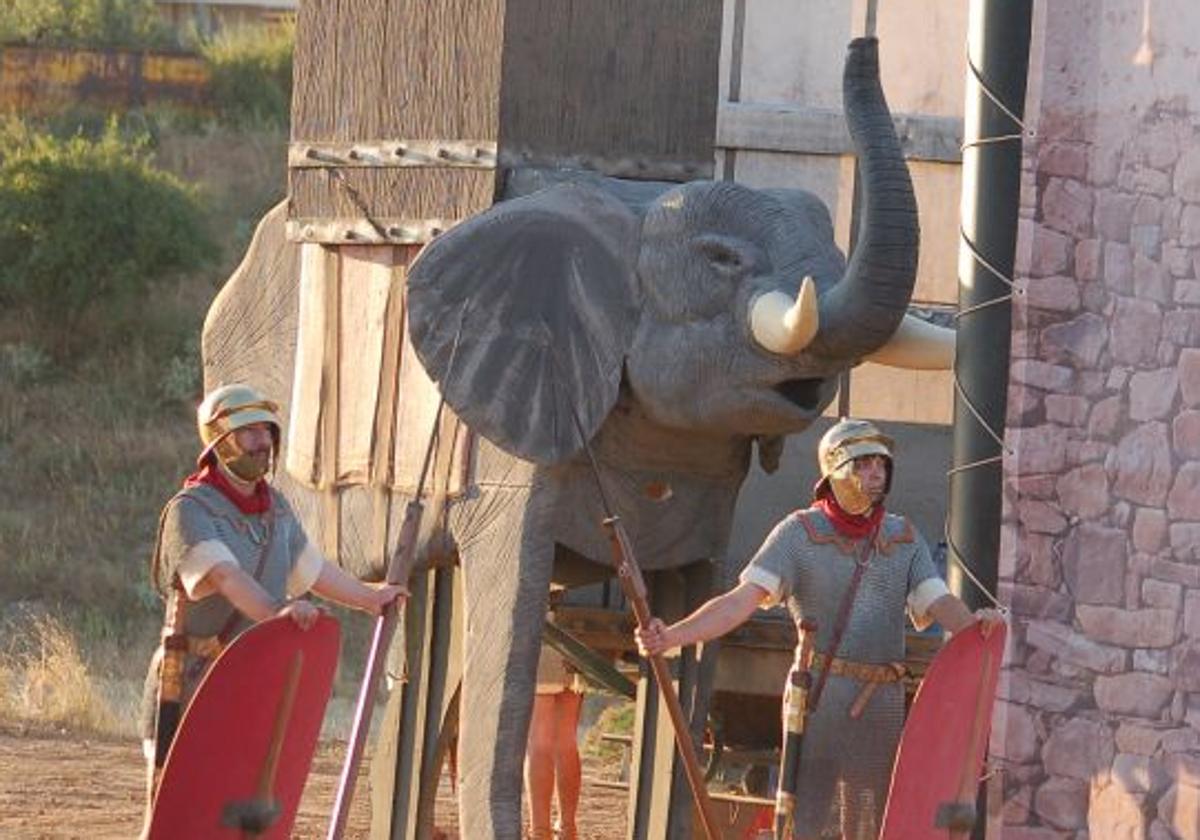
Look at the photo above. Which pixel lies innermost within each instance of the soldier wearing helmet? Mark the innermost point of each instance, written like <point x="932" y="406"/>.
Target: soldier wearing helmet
<point x="855" y="571"/>
<point x="231" y="552"/>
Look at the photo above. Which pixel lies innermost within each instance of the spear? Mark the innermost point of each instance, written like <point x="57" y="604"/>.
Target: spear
<point x="398" y="573"/>
<point x="629" y="574"/>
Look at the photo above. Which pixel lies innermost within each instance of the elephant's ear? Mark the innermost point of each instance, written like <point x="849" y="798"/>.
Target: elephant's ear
<point x="547" y="295"/>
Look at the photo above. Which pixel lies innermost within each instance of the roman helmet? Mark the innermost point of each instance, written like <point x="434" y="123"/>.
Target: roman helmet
<point x="224" y="411"/>
<point x="845" y="441"/>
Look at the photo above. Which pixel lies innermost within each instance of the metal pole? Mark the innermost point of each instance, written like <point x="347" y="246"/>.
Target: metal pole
<point x="998" y="54"/>
<point x="998" y="67"/>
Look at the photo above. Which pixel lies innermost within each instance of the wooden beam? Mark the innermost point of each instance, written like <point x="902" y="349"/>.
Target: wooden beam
<point x="757" y="126"/>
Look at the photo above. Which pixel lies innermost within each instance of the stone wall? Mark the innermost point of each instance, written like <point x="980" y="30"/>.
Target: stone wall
<point x="1098" y="728"/>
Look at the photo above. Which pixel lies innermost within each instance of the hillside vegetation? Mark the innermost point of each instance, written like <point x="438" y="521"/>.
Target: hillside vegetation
<point x="116" y="231"/>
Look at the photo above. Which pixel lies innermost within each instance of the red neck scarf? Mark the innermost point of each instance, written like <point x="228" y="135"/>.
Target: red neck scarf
<point x="209" y="473"/>
<point x="854" y="526"/>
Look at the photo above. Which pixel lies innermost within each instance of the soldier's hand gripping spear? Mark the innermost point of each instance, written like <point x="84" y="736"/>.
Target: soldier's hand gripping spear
<point x="629" y="574"/>
<point x="398" y="572"/>
<point x="795" y="710"/>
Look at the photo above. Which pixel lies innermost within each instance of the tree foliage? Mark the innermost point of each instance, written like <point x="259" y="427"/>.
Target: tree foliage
<point x="85" y="221"/>
<point x="251" y="74"/>
<point x="92" y="23"/>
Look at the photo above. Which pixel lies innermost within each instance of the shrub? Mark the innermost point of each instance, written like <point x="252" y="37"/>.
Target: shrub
<point x="92" y="23"/>
<point x="84" y="222"/>
<point x="251" y="74"/>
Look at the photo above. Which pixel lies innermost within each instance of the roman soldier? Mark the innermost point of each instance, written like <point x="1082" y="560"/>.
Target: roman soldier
<point x="850" y="572"/>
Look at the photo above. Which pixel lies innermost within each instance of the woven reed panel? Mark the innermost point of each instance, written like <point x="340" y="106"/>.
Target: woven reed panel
<point x="615" y="80"/>
<point x="372" y="70"/>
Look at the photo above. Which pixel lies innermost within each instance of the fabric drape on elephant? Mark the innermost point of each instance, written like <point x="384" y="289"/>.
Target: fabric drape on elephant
<point x="356" y="369"/>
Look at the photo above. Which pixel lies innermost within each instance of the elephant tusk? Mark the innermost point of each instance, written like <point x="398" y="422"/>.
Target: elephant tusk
<point x="782" y="325"/>
<point x="917" y="345"/>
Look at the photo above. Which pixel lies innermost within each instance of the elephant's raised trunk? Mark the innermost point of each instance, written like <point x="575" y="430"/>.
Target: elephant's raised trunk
<point x="861" y="313"/>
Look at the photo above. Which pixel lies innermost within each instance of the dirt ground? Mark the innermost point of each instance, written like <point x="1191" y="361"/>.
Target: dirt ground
<point x="59" y="785"/>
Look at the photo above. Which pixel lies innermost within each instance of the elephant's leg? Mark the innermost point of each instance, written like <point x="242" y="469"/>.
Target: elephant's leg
<point x="506" y="572"/>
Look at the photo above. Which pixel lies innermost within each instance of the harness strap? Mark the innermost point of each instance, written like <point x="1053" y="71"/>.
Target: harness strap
<point x="843" y="617"/>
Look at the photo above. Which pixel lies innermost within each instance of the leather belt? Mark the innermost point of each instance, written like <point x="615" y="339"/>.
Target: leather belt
<point x="871" y="676"/>
<point x="862" y="671"/>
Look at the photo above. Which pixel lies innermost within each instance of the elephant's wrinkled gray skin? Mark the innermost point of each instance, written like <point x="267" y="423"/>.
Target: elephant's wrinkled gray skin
<point x="636" y="315"/>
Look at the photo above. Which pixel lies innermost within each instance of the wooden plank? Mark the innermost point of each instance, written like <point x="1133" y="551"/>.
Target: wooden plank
<point x="393" y="195"/>
<point x="822" y="131"/>
<point x="621" y="79"/>
<point x="330" y="395"/>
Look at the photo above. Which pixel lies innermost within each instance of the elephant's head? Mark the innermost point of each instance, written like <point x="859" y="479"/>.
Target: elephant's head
<point x="698" y="299"/>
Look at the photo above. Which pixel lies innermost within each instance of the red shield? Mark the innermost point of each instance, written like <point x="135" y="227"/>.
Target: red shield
<point x="240" y="758"/>
<point x="944" y="741"/>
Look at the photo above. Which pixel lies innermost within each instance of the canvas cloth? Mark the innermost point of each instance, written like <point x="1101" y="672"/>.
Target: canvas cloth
<point x="846" y="764"/>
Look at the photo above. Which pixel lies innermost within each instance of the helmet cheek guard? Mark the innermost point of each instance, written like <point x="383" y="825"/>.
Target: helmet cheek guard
<point x="844" y="442"/>
<point x="224" y="411"/>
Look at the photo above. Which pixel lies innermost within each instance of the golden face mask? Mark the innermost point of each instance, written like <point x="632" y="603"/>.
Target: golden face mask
<point x="848" y="490"/>
<point x="223" y="412"/>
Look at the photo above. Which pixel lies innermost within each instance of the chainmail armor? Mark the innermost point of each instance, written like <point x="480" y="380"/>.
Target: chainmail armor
<point x="846" y="764"/>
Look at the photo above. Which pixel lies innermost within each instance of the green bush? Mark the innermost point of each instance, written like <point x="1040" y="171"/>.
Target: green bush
<point x="251" y="75"/>
<point x="86" y="222"/>
<point x="93" y="23"/>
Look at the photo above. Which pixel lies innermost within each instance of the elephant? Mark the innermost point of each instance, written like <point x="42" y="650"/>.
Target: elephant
<point x="674" y="328"/>
<point x="671" y="328"/>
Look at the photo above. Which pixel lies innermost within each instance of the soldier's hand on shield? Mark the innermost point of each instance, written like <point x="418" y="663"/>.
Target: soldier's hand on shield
<point x="652" y="639"/>
<point x="988" y="619"/>
<point x="302" y="612"/>
<point x="386" y="593"/>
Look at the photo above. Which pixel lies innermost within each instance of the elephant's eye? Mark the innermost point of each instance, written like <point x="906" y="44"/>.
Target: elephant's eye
<point x="723" y="255"/>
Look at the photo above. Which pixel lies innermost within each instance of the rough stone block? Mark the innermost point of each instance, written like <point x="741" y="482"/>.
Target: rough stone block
<point x="1079" y="749"/>
<point x="1067" y="207"/>
<point x="1105" y="418"/>
<point x="1141" y="465"/>
<point x="1051" y="253"/>
<point x="1183" y="502"/>
<point x="1187" y="292"/>
<point x="1189" y="376"/>
<point x="1062" y="803"/>
<point x="1150" y="281"/>
<point x="1082" y="338"/>
<point x="1149" y="530"/>
<point x="1163" y="595"/>
<point x="1055" y="294"/>
<point x="1185" y="574"/>
<point x="1146" y="240"/>
<point x="1189" y="226"/>
<point x="1067" y="410"/>
<point x="1187" y="175"/>
<point x="1146" y="628"/>
<point x="1088" y="256"/>
<point x="1114" y="215"/>
<point x="1152" y="393"/>
<point x="1136" y="327"/>
<point x="1139" y="739"/>
<point x="1137" y="694"/>
<point x="1063" y="643"/>
<point x="1042" y="375"/>
<point x="1152" y="661"/>
<point x="1094" y="563"/>
<point x="1115" y="813"/>
<point x="1185" y="668"/>
<point x="1118" y="267"/>
<point x="1177" y="260"/>
<point x="1067" y="160"/>
<point x="1040" y="448"/>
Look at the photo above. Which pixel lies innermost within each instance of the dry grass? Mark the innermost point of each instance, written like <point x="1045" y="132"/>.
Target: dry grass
<point x="96" y="432"/>
<point x="44" y="680"/>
